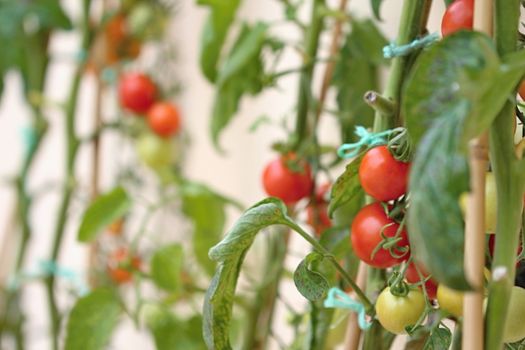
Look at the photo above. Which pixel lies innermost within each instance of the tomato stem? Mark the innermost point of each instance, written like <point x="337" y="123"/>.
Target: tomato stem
<point x="380" y="104"/>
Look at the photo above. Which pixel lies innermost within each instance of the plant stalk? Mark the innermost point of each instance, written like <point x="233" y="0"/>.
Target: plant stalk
<point x="509" y="176"/>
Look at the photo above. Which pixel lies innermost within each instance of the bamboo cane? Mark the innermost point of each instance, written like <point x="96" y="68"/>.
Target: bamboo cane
<point x="353" y="332"/>
<point x="473" y="332"/>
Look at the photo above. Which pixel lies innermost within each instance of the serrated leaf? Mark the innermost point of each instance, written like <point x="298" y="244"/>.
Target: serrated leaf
<point x="347" y="187"/>
<point x="229" y="254"/>
<point x="92" y="321"/>
<point x="469" y="87"/>
<point x="166" y="267"/>
<point x="214" y="34"/>
<point x="376" y="7"/>
<point x="240" y="74"/>
<point x="102" y="212"/>
<point x="206" y="209"/>
<point x="311" y="284"/>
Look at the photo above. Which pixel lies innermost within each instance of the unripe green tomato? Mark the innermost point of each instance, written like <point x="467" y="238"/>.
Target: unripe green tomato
<point x="450" y="300"/>
<point x="153" y="315"/>
<point x="154" y="151"/>
<point x="515" y="323"/>
<point x="490" y="203"/>
<point x="337" y="332"/>
<point x="395" y="313"/>
<point x="145" y="21"/>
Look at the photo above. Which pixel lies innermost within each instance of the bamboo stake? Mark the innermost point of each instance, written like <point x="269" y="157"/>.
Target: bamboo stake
<point x="473" y="321"/>
<point x="353" y="332"/>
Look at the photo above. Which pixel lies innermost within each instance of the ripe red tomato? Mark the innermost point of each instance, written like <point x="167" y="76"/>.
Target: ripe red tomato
<point x="164" y="119"/>
<point x="121" y="265"/>
<point x="317" y="211"/>
<point x="413" y="277"/>
<point x="366" y="235"/>
<point x="282" y="182"/>
<point x="136" y="92"/>
<point x="459" y="15"/>
<point x="382" y="176"/>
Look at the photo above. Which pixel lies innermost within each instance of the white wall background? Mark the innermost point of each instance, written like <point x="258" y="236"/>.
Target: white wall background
<point x="237" y="174"/>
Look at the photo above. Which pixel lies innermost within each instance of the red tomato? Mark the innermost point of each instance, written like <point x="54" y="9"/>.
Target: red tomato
<point x="317" y="211"/>
<point x="366" y="236"/>
<point x="413" y="277"/>
<point x="136" y="92"/>
<point x="282" y="182"/>
<point x="121" y="265"/>
<point x="382" y="176"/>
<point x="164" y="119"/>
<point x="459" y="15"/>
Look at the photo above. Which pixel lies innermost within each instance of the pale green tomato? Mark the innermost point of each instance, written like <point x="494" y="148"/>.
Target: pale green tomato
<point x="336" y="334"/>
<point x="490" y="203"/>
<point x="450" y="300"/>
<point x="515" y="323"/>
<point x="396" y="313"/>
<point x="154" y="151"/>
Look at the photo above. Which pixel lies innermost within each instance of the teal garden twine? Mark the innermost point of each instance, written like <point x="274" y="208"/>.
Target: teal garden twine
<point x="392" y="50"/>
<point x="366" y="140"/>
<point x="340" y="300"/>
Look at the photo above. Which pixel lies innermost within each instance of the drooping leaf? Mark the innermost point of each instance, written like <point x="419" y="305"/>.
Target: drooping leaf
<point x="346" y="188"/>
<point x="206" y="210"/>
<point x="469" y="87"/>
<point x="229" y="254"/>
<point x="92" y="321"/>
<point x="356" y="72"/>
<point x="166" y="267"/>
<point x="102" y="212"/>
<point x="170" y="332"/>
<point x="240" y="74"/>
<point x="376" y="7"/>
<point x="215" y="32"/>
<point x="311" y="284"/>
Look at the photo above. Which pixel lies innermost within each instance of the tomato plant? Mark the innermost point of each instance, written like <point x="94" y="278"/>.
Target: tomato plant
<point x="121" y="265"/>
<point x="382" y="176"/>
<point x="164" y="119"/>
<point x="395" y="313"/>
<point x="317" y="210"/>
<point x="289" y="184"/>
<point x="369" y="229"/>
<point x="459" y="15"/>
<point x="137" y="92"/>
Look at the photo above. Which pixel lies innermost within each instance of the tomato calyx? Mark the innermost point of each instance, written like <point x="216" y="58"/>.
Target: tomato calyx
<point x="392" y="243"/>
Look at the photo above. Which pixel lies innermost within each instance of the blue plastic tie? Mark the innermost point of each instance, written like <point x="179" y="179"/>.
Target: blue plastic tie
<point x="29" y="138"/>
<point x="366" y="140"/>
<point x="338" y="299"/>
<point x="392" y="50"/>
<point x="49" y="268"/>
<point x="109" y="75"/>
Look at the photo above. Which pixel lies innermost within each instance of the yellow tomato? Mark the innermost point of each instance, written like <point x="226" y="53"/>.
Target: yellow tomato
<point x="395" y="313"/>
<point x="490" y="203"/>
<point x="450" y="300"/>
<point x="515" y="323"/>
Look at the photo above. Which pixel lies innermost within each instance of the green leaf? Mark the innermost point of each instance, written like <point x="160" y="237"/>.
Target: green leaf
<point x="376" y="7"/>
<point x="170" y="332"/>
<point x="448" y="2"/>
<point x="166" y="267"/>
<point x="50" y="14"/>
<point x="356" y="72"/>
<point x="92" y="321"/>
<point x="229" y="254"/>
<point x="240" y="74"/>
<point x="215" y="32"/>
<point x="311" y="284"/>
<point x="206" y="209"/>
<point x="469" y="87"/>
<point x="346" y="188"/>
<point x="102" y="212"/>
<point x="440" y="338"/>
